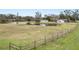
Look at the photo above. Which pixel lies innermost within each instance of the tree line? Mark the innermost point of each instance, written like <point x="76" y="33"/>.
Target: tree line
<point x="70" y="15"/>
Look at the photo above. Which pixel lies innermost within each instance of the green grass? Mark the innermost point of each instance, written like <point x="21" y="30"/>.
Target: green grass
<point x="69" y="42"/>
<point x="24" y="34"/>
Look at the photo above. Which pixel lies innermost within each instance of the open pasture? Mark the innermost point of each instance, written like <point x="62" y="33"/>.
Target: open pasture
<point x="21" y="34"/>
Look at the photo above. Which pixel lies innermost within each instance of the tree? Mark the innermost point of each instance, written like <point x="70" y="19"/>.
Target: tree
<point x="3" y="18"/>
<point x="17" y="18"/>
<point x="67" y="14"/>
<point x="28" y="19"/>
<point x="48" y="18"/>
<point x="38" y="17"/>
<point x="52" y="17"/>
<point x="76" y="14"/>
<point x="62" y="16"/>
<point x="10" y="16"/>
<point x="70" y="15"/>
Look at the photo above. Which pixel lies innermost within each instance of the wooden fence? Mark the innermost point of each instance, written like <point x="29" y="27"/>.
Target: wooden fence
<point x="13" y="46"/>
<point x="43" y="41"/>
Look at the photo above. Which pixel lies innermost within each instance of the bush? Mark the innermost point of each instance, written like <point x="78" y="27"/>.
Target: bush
<point x="37" y="22"/>
<point x="4" y="21"/>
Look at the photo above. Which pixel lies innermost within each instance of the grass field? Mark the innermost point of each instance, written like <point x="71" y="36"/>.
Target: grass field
<point x="69" y="42"/>
<point x="21" y="34"/>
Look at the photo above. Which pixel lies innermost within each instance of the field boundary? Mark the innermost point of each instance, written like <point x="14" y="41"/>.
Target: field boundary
<point x="36" y="43"/>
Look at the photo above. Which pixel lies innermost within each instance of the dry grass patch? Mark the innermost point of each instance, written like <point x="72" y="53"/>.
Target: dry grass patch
<point x="21" y="34"/>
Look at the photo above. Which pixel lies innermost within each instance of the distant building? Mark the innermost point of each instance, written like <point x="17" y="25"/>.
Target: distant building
<point x="65" y="20"/>
<point x="60" y="21"/>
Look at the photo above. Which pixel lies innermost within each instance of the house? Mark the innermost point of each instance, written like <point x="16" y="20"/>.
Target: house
<point x="65" y="20"/>
<point x="60" y="21"/>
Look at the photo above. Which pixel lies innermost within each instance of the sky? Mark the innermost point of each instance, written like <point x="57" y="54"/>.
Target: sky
<point x="30" y="12"/>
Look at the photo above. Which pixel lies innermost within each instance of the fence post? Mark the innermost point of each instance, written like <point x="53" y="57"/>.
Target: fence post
<point x="34" y="44"/>
<point x="69" y="30"/>
<point x="63" y="33"/>
<point x="20" y="47"/>
<point x="45" y="40"/>
<point x="53" y="37"/>
<point x="9" y="46"/>
<point x="57" y="35"/>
